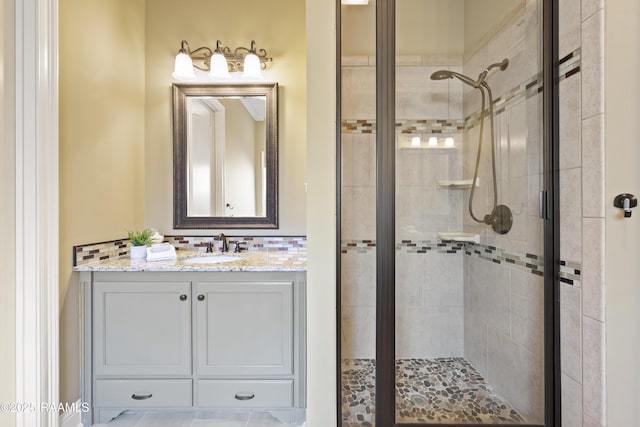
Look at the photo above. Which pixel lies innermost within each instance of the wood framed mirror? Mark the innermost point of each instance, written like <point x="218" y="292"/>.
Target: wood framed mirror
<point x="225" y="156"/>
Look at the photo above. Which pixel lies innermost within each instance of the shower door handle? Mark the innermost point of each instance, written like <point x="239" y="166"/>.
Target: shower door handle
<point x="543" y="205"/>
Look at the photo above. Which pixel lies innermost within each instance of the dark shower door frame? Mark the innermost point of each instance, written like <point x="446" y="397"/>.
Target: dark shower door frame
<point x="385" y="218"/>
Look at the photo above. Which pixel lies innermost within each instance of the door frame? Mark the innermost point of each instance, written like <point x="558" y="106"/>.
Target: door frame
<point x="385" y="214"/>
<point x="36" y="247"/>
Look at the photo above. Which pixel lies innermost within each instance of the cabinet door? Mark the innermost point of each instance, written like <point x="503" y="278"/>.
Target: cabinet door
<point x="142" y="328"/>
<point x="244" y="329"/>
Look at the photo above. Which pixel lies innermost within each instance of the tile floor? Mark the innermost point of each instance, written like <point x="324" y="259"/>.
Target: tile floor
<point x="447" y="390"/>
<point x="218" y="418"/>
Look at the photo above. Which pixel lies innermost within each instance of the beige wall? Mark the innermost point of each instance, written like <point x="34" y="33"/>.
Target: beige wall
<point x="101" y="143"/>
<point x="277" y="26"/>
<point x="7" y="213"/>
<point x="622" y="235"/>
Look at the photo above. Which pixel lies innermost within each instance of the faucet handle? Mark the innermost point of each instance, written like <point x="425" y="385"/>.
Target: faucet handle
<point x="238" y="248"/>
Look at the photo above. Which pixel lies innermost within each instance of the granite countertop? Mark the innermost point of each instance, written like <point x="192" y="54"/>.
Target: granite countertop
<point x="249" y="261"/>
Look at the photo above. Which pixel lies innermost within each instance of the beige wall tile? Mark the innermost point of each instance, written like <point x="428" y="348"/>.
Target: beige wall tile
<point x="593" y="268"/>
<point x="593" y="166"/>
<point x="569" y="26"/>
<point x="570" y="136"/>
<point x="571" y="331"/>
<point x="592" y="69"/>
<point x="571" y="215"/>
<point x="571" y="402"/>
<point x="594" y="369"/>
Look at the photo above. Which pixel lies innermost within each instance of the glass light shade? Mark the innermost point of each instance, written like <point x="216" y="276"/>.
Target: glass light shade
<point x="448" y="142"/>
<point x="183" y="69"/>
<point x="219" y="67"/>
<point x="433" y="141"/>
<point x="415" y="141"/>
<point x="252" y="67"/>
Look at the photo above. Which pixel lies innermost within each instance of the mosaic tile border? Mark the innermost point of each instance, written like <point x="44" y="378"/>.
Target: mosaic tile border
<point x="445" y="127"/>
<point x="568" y="66"/>
<point x="570" y="272"/>
<point x="84" y="254"/>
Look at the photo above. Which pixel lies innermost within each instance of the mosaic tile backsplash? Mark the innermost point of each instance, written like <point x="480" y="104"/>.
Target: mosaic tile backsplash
<point x="83" y="254"/>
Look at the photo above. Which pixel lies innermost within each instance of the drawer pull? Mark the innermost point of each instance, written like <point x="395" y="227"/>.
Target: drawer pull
<point x="243" y="396"/>
<point x="141" y="397"/>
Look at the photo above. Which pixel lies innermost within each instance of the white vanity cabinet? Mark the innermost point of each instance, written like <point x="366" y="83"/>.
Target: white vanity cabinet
<point x="199" y="340"/>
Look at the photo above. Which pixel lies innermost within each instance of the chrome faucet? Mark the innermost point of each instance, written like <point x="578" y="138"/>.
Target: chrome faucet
<point x="225" y="243"/>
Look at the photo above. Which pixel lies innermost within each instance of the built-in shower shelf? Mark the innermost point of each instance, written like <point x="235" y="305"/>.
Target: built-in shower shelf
<point x="459" y="184"/>
<point x="459" y="237"/>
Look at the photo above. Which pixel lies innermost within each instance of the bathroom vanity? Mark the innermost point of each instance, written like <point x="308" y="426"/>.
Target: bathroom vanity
<point x="179" y="336"/>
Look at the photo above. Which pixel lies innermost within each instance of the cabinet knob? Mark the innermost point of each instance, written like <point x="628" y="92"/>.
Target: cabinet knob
<point x="200" y="297"/>
<point x="183" y="297"/>
<point x="244" y="396"/>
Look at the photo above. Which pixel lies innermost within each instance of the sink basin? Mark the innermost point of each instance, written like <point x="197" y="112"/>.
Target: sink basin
<point x="212" y="259"/>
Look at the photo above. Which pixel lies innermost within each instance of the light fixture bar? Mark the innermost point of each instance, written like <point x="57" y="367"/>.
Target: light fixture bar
<point x="236" y="60"/>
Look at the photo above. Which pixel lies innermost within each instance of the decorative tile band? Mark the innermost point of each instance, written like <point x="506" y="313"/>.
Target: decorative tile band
<point x="447" y="127"/>
<point x="570" y="272"/>
<point x="522" y="261"/>
<point x="569" y="66"/>
<point x="84" y="254"/>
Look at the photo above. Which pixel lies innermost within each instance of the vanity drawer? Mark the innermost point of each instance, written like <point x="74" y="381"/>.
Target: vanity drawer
<point x="143" y="393"/>
<point x="245" y="394"/>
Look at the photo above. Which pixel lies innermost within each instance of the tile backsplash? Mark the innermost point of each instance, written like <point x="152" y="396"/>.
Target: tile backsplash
<point x="92" y="252"/>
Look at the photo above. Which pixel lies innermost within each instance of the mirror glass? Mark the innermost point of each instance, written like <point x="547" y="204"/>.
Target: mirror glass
<point x="225" y="155"/>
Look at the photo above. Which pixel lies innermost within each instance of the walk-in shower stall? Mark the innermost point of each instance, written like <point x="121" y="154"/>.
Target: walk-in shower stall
<point x="446" y="208"/>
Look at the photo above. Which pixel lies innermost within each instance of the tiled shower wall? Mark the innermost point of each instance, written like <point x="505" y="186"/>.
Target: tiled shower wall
<point x="582" y="214"/>
<point x="430" y="279"/>
<point x="512" y="334"/>
<point x="503" y="310"/>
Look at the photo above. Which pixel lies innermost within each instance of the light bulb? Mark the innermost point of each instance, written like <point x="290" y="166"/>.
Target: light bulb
<point x="448" y="142"/>
<point x="183" y="69"/>
<point x="415" y="141"/>
<point x="433" y="142"/>
<point x="252" y="69"/>
<point x="219" y="67"/>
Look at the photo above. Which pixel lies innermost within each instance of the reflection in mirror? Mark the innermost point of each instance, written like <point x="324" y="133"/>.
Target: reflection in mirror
<point x="225" y="156"/>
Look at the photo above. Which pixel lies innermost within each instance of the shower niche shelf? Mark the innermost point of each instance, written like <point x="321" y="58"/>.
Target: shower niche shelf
<point x="459" y="237"/>
<point x="460" y="184"/>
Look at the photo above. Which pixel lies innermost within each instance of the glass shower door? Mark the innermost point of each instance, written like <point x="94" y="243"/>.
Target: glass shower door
<point x="469" y="288"/>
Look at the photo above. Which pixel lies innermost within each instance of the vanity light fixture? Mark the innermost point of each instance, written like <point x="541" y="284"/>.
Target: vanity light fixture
<point x="448" y="142"/>
<point x="433" y="141"/>
<point x="220" y="62"/>
<point x="415" y="141"/>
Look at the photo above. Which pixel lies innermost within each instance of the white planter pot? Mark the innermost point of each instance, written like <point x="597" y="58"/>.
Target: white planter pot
<point x="138" y="252"/>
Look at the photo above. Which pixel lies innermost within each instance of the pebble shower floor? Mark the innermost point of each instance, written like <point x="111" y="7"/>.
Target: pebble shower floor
<point x="444" y="390"/>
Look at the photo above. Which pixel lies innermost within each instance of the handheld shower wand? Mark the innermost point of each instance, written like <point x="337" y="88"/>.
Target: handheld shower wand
<point x="500" y="218"/>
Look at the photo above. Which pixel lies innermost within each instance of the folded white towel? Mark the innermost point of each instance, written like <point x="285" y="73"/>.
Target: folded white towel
<point x="163" y="252"/>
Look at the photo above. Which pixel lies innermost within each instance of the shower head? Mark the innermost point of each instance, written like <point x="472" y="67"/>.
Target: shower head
<point x="442" y="75"/>
<point x="446" y="74"/>
<point x="502" y="65"/>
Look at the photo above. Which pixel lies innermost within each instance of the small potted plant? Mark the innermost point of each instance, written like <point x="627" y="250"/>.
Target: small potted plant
<point x="139" y="242"/>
